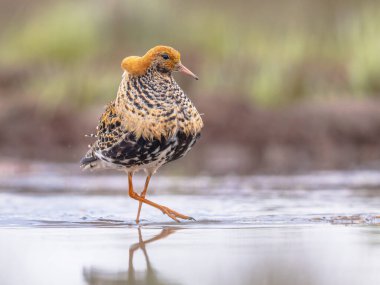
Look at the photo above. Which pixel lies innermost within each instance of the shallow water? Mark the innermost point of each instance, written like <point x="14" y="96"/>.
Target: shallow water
<point x="59" y="226"/>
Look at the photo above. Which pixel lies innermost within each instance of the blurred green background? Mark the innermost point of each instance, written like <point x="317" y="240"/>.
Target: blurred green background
<point x="285" y="86"/>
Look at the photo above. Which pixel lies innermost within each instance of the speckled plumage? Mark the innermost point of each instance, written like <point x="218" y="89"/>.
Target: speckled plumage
<point x="151" y="122"/>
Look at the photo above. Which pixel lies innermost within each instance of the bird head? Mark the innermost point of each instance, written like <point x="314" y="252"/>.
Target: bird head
<point x="162" y="58"/>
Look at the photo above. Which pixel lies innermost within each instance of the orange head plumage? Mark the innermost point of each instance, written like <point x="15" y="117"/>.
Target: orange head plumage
<point x="163" y="58"/>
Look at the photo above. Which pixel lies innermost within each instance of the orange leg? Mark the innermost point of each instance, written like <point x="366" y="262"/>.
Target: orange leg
<point x="172" y="214"/>
<point x="143" y="193"/>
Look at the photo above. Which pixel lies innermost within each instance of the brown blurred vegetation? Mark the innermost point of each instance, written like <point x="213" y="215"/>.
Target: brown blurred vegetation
<point x="285" y="85"/>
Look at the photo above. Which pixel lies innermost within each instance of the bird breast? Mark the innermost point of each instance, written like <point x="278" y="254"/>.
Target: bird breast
<point x="156" y="108"/>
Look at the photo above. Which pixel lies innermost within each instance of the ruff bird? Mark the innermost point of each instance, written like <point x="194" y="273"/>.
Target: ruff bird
<point x="150" y="123"/>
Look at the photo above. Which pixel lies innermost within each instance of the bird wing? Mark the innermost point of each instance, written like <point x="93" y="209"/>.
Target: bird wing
<point x="116" y="144"/>
<point x="109" y="132"/>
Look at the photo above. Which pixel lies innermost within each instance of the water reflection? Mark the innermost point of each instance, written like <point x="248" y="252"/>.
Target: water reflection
<point x="264" y="255"/>
<point x="96" y="276"/>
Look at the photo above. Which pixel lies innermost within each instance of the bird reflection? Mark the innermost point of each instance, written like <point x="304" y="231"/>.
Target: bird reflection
<point x="94" y="276"/>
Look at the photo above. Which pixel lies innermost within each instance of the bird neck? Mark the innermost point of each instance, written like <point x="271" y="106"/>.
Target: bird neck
<point x="153" y="83"/>
<point x="156" y="76"/>
<point x="151" y="90"/>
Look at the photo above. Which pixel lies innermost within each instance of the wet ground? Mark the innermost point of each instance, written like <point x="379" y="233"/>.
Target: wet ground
<point x="60" y="226"/>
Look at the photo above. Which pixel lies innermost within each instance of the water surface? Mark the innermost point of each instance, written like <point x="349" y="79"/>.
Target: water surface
<point x="59" y="226"/>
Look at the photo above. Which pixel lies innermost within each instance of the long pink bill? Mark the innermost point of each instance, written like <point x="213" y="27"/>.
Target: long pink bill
<point x="184" y="69"/>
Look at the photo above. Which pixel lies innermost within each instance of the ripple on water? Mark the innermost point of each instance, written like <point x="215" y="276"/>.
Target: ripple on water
<point x="53" y="198"/>
<point x="292" y="230"/>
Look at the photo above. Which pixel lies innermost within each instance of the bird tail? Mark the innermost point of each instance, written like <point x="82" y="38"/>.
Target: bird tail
<point x="89" y="160"/>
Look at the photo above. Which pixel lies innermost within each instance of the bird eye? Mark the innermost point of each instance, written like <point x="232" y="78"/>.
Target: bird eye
<point x="165" y="56"/>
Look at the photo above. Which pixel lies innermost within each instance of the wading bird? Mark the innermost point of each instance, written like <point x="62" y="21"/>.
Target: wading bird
<point x="150" y="123"/>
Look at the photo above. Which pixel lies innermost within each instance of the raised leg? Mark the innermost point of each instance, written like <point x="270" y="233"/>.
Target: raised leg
<point x="172" y="214"/>
<point x="143" y="193"/>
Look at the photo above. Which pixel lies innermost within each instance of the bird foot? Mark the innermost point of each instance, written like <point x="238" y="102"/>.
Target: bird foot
<point x="175" y="215"/>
